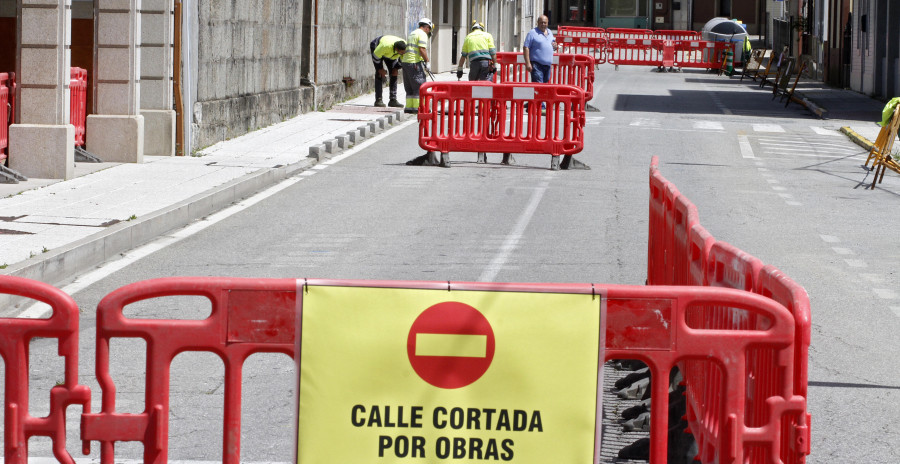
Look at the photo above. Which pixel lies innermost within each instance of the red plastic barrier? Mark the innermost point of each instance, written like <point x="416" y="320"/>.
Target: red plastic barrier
<point x="567" y="69"/>
<point x="485" y="117"/>
<point x="715" y="373"/>
<point x="698" y="54"/>
<point x="594" y="47"/>
<point x="635" y="51"/>
<point x="248" y="316"/>
<point x="78" y="103"/>
<point x="5" y="118"/>
<point x="16" y="336"/>
<point x="649" y="323"/>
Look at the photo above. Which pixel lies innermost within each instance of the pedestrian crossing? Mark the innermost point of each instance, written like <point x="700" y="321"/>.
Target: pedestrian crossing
<point x="682" y="124"/>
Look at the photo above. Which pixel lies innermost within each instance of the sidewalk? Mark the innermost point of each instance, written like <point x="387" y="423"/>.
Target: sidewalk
<point x="53" y="230"/>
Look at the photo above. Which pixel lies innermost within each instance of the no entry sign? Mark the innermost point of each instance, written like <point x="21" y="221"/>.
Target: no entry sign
<point x="450" y="345"/>
<point x="396" y="375"/>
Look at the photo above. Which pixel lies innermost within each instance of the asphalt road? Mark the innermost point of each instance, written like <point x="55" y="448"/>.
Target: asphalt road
<point x="777" y="183"/>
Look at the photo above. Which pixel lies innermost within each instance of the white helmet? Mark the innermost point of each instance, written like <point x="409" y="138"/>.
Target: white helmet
<point x="477" y="25"/>
<point x="426" y="22"/>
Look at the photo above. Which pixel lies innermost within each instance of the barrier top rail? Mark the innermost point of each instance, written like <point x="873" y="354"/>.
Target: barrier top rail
<point x="4" y="114"/>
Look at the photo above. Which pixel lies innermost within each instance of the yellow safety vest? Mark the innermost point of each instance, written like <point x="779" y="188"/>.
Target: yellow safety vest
<point x="417" y="38"/>
<point x="385" y="48"/>
<point x="478" y="45"/>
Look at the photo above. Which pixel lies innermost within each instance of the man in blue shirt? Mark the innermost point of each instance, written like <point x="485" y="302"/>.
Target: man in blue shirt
<point x="538" y="50"/>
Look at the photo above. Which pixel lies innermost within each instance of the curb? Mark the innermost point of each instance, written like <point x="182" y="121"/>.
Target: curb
<point x="857" y="139"/>
<point x="60" y="264"/>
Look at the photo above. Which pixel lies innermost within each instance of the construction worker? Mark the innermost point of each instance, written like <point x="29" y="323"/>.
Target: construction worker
<point x="386" y="51"/>
<point x="415" y="63"/>
<point x="478" y="48"/>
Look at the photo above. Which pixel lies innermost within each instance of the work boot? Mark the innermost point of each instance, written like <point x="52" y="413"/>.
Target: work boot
<point x="393" y="103"/>
<point x="379" y="103"/>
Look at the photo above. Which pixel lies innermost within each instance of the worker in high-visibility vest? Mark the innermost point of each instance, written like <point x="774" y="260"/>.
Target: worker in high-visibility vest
<point x="478" y="48"/>
<point x="386" y="51"/>
<point x="415" y="63"/>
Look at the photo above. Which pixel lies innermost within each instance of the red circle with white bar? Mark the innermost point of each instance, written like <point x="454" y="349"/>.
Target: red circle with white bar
<point x="450" y="345"/>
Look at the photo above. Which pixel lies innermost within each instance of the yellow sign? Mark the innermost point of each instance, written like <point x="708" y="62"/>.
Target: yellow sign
<point x="412" y="376"/>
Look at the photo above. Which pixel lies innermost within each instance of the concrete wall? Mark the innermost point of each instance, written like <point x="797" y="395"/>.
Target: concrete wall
<point x="249" y="59"/>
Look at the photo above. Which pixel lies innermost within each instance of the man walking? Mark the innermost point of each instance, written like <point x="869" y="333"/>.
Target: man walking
<point x="386" y="51"/>
<point x="415" y="63"/>
<point x="538" y="51"/>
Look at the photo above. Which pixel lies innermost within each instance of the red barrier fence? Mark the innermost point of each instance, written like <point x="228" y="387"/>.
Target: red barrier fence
<point x="5" y="117"/>
<point x="567" y="69"/>
<point x="699" y="54"/>
<point x="78" y="103"/>
<point x="262" y="315"/>
<point x="676" y="35"/>
<point x="595" y="47"/>
<point x="718" y="264"/>
<point x="626" y="33"/>
<point x="483" y="117"/>
<point x="17" y="335"/>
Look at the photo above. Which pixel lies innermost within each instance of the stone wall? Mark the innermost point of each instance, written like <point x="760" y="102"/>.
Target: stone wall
<point x="250" y="55"/>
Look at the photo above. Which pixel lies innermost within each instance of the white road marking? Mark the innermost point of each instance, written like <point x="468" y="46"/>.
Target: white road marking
<point x="824" y="131"/>
<point x="830" y="239"/>
<point x="509" y="244"/>
<point x="856" y="263"/>
<point x="645" y="122"/>
<point x="886" y="293"/>
<point x="843" y="251"/>
<point x="746" y="149"/>
<point x="708" y="125"/>
<point x="767" y="128"/>
<point x="896" y="310"/>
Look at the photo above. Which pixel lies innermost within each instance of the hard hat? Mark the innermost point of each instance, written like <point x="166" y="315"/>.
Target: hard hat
<point x="477" y="25"/>
<point x="426" y="22"/>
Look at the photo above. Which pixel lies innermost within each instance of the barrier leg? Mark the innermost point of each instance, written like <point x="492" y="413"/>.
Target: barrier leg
<point x="554" y="163"/>
<point x="508" y="159"/>
<point x="445" y="160"/>
<point x="482" y="158"/>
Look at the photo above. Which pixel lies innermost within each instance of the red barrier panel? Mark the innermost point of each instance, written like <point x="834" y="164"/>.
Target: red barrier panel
<point x="634" y="51"/>
<point x="5" y="118"/>
<point x="684" y="218"/>
<point x="16" y="336"/>
<point x="656" y="242"/>
<point x="484" y="117"/>
<point x="567" y="69"/>
<point x="773" y="284"/>
<point x="701" y="242"/>
<point x="594" y="47"/>
<point x="579" y="31"/>
<point x="78" y="103"/>
<point x="698" y="54"/>
<point x="248" y="316"/>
